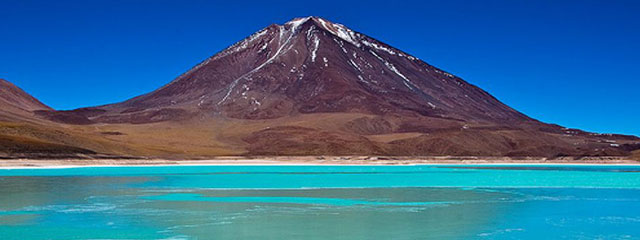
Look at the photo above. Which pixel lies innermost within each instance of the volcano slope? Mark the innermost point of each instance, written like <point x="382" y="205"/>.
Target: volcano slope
<point x="313" y="87"/>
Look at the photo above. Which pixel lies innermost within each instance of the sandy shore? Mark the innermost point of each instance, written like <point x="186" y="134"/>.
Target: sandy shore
<point x="311" y="160"/>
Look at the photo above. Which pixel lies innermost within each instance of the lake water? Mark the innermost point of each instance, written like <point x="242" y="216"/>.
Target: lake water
<point x="321" y="202"/>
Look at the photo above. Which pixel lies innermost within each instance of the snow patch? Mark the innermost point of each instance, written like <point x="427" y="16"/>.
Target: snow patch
<point x="316" y="44"/>
<point x="341" y="44"/>
<point x="340" y="31"/>
<point x="355" y="65"/>
<point x="201" y="100"/>
<point x="255" y="102"/>
<point x="378" y="47"/>
<point x="390" y="66"/>
<point x="433" y="106"/>
<point x="233" y="85"/>
<point x="295" y="23"/>
<point x="263" y="47"/>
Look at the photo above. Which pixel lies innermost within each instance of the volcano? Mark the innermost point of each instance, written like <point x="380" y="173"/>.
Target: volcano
<point x="314" y="87"/>
<point x="311" y="65"/>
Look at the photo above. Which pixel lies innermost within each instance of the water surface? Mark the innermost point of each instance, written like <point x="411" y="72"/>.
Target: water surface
<point x="321" y="202"/>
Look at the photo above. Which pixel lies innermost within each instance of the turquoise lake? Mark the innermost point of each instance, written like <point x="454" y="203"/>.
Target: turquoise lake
<point x="321" y="202"/>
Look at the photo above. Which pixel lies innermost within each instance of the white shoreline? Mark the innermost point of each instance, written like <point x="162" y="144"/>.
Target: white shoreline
<point x="66" y="164"/>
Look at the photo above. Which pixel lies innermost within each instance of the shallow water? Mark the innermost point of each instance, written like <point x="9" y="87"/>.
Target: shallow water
<point x="321" y="202"/>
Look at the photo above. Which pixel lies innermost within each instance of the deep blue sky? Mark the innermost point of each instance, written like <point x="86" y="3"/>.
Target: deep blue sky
<point x="575" y="63"/>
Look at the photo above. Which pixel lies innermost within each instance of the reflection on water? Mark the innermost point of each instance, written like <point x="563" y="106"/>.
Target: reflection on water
<point x="404" y="202"/>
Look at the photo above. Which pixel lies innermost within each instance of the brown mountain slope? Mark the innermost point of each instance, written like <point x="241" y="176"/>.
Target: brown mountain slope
<point x="636" y="155"/>
<point x="15" y="104"/>
<point x="11" y="95"/>
<point x="24" y="134"/>
<point x="39" y="139"/>
<point x="313" y="87"/>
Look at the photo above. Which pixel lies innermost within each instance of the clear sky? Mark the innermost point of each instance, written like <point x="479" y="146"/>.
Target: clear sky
<point x="575" y="63"/>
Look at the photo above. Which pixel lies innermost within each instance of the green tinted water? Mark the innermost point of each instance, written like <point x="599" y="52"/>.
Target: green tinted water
<point x="321" y="202"/>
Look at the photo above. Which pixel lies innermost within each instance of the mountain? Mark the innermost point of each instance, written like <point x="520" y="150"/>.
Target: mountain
<point x="313" y="87"/>
<point x="17" y="104"/>
<point x="310" y="65"/>
<point x="23" y="134"/>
